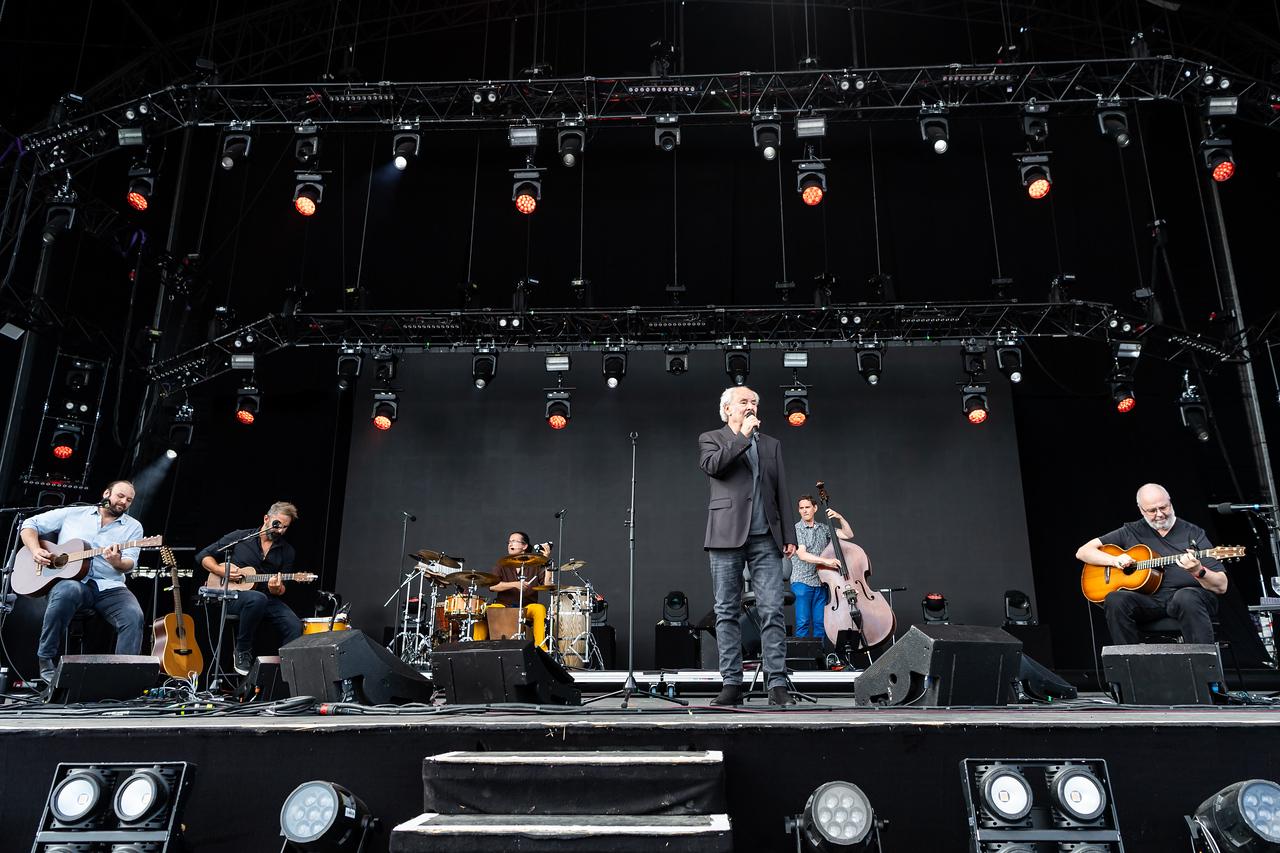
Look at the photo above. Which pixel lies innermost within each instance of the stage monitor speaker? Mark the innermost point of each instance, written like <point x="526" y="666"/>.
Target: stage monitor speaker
<point x="1039" y="682"/>
<point x="942" y="665"/>
<point x="488" y="672"/>
<point x="805" y="653"/>
<point x="97" y="678"/>
<point x="676" y="646"/>
<point x="1163" y="673"/>
<point x="347" y="666"/>
<point x="264" y="682"/>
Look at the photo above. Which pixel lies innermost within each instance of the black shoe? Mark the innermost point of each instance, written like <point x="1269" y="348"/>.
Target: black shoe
<point x="730" y="694"/>
<point x="244" y="660"/>
<point x="780" y="696"/>
<point x="48" y="670"/>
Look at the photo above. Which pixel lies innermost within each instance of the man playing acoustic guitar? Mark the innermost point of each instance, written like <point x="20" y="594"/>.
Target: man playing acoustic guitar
<point x="265" y="554"/>
<point x="1190" y="595"/>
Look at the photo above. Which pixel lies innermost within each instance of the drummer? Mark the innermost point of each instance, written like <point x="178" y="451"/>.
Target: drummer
<point x="511" y="575"/>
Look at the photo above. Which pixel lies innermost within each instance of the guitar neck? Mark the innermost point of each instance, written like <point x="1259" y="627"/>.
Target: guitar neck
<point x="97" y="552"/>
<point x="287" y="576"/>
<point x="1157" y="562"/>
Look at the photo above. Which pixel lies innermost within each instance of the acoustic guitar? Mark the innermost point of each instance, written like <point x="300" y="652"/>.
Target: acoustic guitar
<point x="247" y="581"/>
<point x="70" y="562"/>
<point x="174" y="636"/>
<point x="1097" y="582"/>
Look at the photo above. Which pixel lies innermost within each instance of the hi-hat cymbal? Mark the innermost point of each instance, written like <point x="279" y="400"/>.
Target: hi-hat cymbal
<point x="544" y="587"/>
<point x="470" y="577"/>
<point x="516" y="561"/>
<point x="573" y="566"/>
<point x="426" y="555"/>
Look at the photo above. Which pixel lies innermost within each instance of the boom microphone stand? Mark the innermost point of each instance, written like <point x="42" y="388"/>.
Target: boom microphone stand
<point x="224" y="593"/>
<point x="630" y="687"/>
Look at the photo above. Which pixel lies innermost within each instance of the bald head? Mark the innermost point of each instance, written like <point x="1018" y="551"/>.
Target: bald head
<point x="1156" y="505"/>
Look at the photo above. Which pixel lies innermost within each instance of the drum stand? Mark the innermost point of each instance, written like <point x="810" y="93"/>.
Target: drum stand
<point x="469" y="623"/>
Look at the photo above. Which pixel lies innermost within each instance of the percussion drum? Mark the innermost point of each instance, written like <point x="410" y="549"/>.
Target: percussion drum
<point x="573" y="625"/>
<point x="320" y="624"/>
<point x="460" y="604"/>
<point x="503" y="621"/>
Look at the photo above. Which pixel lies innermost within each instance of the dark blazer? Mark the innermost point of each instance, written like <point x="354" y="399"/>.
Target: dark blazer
<point x="722" y="454"/>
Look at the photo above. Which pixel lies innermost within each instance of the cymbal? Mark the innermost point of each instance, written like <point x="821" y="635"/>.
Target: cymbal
<point x="471" y="576"/>
<point x="573" y="566"/>
<point x="544" y="587"/>
<point x="426" y="555"/>
<point x="516" y="561"/>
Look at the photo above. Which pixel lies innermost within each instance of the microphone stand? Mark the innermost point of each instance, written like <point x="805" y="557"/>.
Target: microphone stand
<point x="630" y="687"/>
<point x="1267" y="520"/>
<point x="405" y="518"/>
<point x="553" y="604"/>
<point x="225" y="594"/>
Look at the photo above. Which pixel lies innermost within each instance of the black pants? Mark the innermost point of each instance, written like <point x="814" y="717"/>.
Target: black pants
<point x="1192" y="606"/>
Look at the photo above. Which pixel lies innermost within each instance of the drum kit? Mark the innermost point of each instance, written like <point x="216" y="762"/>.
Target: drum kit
<point x="444" y="605"/>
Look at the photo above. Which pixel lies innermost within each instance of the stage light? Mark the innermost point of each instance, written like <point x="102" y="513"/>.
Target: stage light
<point x="404" y="148"/>
<point x="65" y="441"/>
<point x="526" y="188"/>
<point x="350" y="361"/>
<point x="486" y="97"/>
<point x="559" y="362"/>
<point x="325" y="816"/>
<point x="522" y="136"/>
<point x="571" y="140"/>
<point x="1009" y="360"/>
<point x="1078" y="794"/>
<point x="768" y="138"/>
<point x="675" y="608"/>
<point x="795" y="406"/>
<point x="1218" y="158"/>
<point x="870" y="363"/>
<point x="1006" y="794"/>
<point x="838" y="817"/>
<point x="973" y="358"/>
<point x="142" y="185"/>
<point x="1017" y="608"/>
<point x="308" y="193"/>
<point x="125" y="808"/>
<point x="677" y="358"/>
<point x="484" y="366"/>
<point x="811" y="181"/>
<point x="935" y="130"/>
<point x="737" y="364"/>
<point x="306" y="145"/>
<point x="666" y="133"/>
<point x="386" y="409"/>
<point x="811" y="126"/>
<point x="1034" y="803"/>
<point x="848" y="85"/>
<point x="934" y="608"/>
<point x="182" y="430"/>
<point x="1192" y="410"/>
<point x="1122" y="397"/>
<point x="236" y="143"/>
<point x="613" y="364"/>
<point x="1036" y="178"/>
<point x="1124" y="358"/>
<point x="974" y="403"/>
<point x="141" y="795"/>
<point x="60" y="215"/>
<point x="1225" y="106"/>
<point x="81" y="798"/>
<point x="1243" y="817"/>
<point x="558" y="408"/>
<point x="1035" y="122"/>
<point x="248" y="404"/>
<point x="1114" y="123"/>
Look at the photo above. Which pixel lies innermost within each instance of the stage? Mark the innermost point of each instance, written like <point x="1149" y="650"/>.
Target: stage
<point x="1162" y="761"/>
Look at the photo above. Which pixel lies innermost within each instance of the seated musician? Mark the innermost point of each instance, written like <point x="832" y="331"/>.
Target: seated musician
<point x="511" y="577"/>
<point x="267" y="554"/>
<point x="104" y="525"/>
<point x="1189" y="589"/>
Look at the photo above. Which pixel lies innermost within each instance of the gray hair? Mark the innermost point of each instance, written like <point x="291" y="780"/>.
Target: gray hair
<point x="284" y="508"/>
<point x="1137" y="498"/>
<point x="726" y="397"/>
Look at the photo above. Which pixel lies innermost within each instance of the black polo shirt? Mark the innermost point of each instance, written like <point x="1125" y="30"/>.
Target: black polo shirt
<point x="1181" y="536"/>
<point x="248" y="554"/>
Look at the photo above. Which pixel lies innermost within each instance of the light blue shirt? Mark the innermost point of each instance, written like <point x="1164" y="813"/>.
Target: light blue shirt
<point x="84" y="523"/>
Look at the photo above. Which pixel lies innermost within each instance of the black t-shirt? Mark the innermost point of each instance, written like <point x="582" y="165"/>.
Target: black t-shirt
<point x="1181" y="536"/>
<point x="248" y="554"/>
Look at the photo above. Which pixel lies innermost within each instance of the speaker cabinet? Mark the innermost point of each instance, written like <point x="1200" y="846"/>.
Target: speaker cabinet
<point x="1163" y="673"/>
<point x="943" y="665"/>
<point x="489" y="672"/>
<point x="347" y="666"/>
<point x="264" y="683"/>
<point x="1040" y="682"/>
<point x="676" y="646"/>
<point x="96" y="678"/>
<point x="805" y="653"/>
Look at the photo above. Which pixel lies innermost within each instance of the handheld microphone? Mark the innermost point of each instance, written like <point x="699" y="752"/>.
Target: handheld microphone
<point x="408" y="515"/>
<point x="275" y="523"/>
<point x="561" y="513"/>
<point x="1228" y="508"/>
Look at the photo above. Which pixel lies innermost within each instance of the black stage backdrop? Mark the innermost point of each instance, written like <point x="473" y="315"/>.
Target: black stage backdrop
<point x="937" y="503"/>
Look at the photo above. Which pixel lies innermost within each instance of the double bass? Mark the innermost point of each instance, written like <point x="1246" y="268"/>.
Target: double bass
<point x="852" y="605"/>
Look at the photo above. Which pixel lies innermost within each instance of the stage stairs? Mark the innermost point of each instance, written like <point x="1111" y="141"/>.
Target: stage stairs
<point x="625" y="800"/>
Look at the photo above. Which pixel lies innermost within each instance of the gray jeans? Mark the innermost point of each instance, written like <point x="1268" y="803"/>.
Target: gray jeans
<point x="762" y="555"/>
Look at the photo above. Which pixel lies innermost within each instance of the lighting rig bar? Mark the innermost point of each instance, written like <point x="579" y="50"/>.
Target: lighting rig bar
<point x="838" y="94"/>
<point x="569" y="330"/>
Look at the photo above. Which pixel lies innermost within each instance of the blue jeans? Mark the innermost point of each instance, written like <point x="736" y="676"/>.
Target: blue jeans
<point x="811" y="601"/>
<point x="762" y="555"/>
<point x="251" y="606"/>
<point x="118" y="606"/>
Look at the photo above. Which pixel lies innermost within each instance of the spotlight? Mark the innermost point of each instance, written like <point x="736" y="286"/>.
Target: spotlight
<point x="1218" y="158"/>
<point x="1009" y="360"/>
<point x="666" y="135"/>
<point x="558" y="408"/>
<point x="404" y="149"/>
<point x="141" y="796"/>
<point x="386" y="363"/>
<point x="934" y="608"/>
<point x="675" y="608"/>
<point x="171" y="454"/>
<point x="737" y="364"/>
<point x="306" y="145"/>
<point x="974" y="403"/>
<point x="60" y="216"/>
<point x="768" y="138"/>
<point x="522" y="136"/>
<point x="1192" y="409"/>
<point x="848" y="85"/>
<point x="81" y="797"/>
<point x="1040" y="804"/>
<point x="1114" y="123"/>
<point x="526" y="188"/>
<point x="838" y="816"/>
<point x="1244" y="817"/>
<point x="614" y="366"/>
<point x="386" y="409"/>
<point x="350" y="360"/>
<point x="811" y="180"/>
<point x="677" y="359"/>
<point x="870" y="364"/>
<point x="1006" y="794"/>
<point x="1124" y="357"/>
<point x="935" y="130"/>
<point x="142" y="185"/>
<point x="811" y="126"/>
<point x="1035" y="122"/>
<point x="571" y="139"/>
<point x="486" y="97"/>
<point x="235" y="147"/>
<point x="557" y="363"/>
<point x="795" y="405"/>
<point x="248" y="403"/>
<point x="320" y="815"/>
<point x="1077" y="793"/>
<point x="307" y="193"/>
<point x="973" y="358"/>
<point x="1036" y="178"/>
<point x="130" y="808"/>
<point x="1123" y="397"/>
<point x="182" y="430"/>
<point x="1017" y="608"/>
<point x="484" y="366"/>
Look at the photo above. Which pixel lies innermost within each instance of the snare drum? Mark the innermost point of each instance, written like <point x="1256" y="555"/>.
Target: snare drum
<point x="320" y="624"/>
<point x="460" y="604"/>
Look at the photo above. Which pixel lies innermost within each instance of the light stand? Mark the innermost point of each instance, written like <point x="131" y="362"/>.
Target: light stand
<point x="630" y="687"/>
<point x="224" y="594"/>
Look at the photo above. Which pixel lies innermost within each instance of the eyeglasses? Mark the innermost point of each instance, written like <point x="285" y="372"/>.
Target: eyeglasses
<point x="1156" y="509"/>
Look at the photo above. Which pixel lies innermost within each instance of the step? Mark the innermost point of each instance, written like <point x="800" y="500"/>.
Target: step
<point x="630" y="782"/>
<point x="437" y="833"/>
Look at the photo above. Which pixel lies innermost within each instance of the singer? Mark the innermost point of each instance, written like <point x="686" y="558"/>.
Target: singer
<point x="268" y="553"/>
<point x="106" y="524"/>
<point x="1190" y="595"/>
<point x="744" y="529"/>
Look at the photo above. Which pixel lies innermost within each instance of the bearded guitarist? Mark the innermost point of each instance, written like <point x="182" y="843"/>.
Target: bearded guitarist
<point x="265" y="554"/>
<point x="1189" y="588"/>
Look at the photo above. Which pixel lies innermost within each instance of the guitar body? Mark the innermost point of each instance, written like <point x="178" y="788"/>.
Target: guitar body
<point x="1096" y="586"/>
<point x="36" y="581"/>
<point x="174" y="643"/>
<point x="851" y="590"/>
